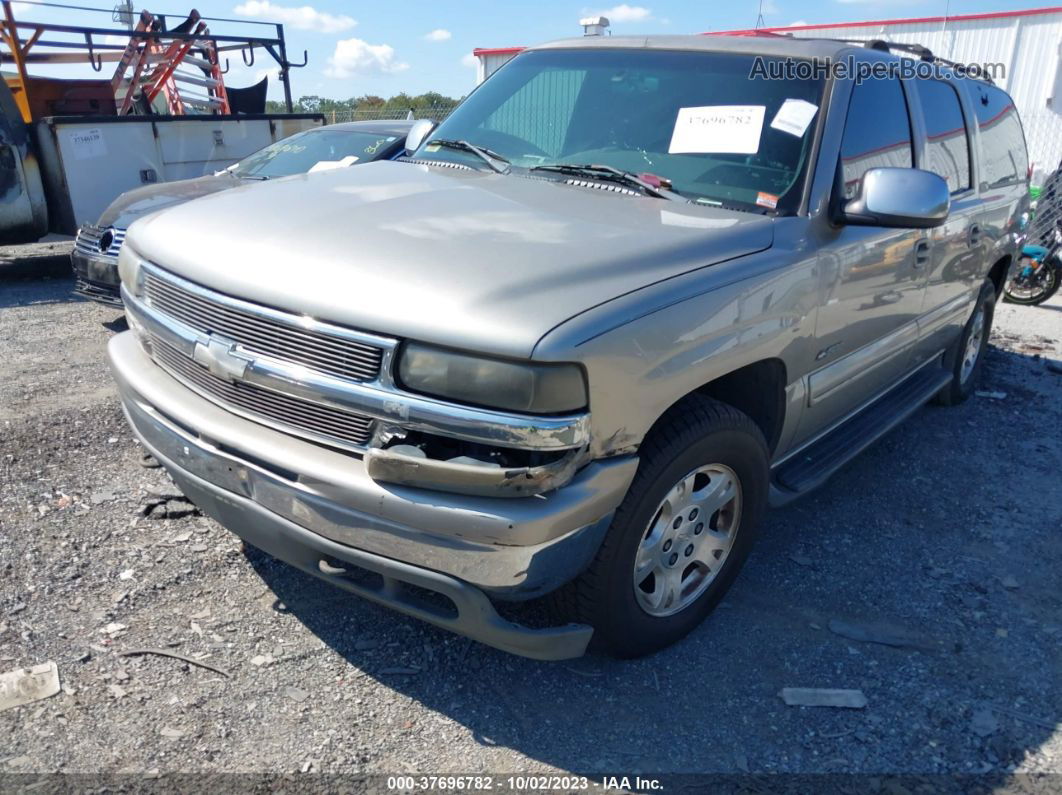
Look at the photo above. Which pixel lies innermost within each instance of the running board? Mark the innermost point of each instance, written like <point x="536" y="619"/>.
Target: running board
<point x="811" y="467"/>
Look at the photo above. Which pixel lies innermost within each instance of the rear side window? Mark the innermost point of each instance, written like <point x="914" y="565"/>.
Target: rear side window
<point x="947" y="147"/>
<point x="877" y="133"/>
<point x="1002" y="141"/>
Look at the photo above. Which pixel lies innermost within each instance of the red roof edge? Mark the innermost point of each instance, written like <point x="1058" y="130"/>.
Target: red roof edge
<point x="908" y="21"/>
<point x="1027" y="12"/>
<point x="497" y="50"/>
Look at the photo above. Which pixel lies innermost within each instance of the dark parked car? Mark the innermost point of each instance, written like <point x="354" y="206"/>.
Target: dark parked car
<point x="95" y="254"/>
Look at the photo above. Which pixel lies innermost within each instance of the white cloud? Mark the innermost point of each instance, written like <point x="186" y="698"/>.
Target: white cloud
<point x="768" y="8"/>
<point x="798" y="24"/>
<point x="626" y="13"/>
<point x="469" y="60"/>
<point x="357" y="57"/>
<point x="439" y="34"/>
<point x="301" y="18"/>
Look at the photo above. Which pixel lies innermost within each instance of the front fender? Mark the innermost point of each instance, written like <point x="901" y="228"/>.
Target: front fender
<point x="646" y="351"/>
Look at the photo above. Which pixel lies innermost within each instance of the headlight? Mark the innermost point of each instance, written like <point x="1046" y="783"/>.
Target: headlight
<point x="129" y="270"/>
<point x="519" y="386"/>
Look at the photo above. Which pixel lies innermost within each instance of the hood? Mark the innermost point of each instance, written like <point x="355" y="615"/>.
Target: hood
<point x="469" y="259"/>
<point x="137" y="202"/>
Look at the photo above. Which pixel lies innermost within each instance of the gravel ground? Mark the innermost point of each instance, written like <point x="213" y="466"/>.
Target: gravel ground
<point x="927" y="535"/>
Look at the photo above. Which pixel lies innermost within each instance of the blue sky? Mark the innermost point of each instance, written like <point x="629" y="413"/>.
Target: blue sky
<point x="424" y="45"/>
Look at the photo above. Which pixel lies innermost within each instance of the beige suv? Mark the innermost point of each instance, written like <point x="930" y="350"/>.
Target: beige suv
<point x="627" y="295"/>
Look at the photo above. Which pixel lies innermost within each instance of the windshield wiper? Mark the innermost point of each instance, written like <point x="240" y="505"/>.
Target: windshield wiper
<point x="610" y="174"/>
<point x="486" y="155"/>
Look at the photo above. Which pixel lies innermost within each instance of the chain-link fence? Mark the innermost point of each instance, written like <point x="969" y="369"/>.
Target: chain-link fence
<point x="436" y="112"/>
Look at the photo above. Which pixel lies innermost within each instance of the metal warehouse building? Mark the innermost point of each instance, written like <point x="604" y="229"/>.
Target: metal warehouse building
<point x="1028" y="44"/>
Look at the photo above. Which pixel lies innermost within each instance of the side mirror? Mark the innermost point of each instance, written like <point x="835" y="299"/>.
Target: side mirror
<point x="417" y="133"/>
<point x="906" y="198"/>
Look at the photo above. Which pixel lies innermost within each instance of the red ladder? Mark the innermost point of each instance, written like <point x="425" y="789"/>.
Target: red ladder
<point x="155" y="69"/>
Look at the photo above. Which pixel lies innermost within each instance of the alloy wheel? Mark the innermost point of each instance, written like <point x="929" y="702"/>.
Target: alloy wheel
<point x="688" y="540"/>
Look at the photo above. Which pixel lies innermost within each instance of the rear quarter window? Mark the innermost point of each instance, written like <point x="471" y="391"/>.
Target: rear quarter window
<point x="1004" y="159"/>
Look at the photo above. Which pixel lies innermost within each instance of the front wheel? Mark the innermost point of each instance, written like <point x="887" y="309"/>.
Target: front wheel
<point x="681" y="535"/>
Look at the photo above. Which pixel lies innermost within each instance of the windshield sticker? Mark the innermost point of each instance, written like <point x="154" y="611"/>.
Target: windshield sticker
<point x="794" y="117"/>
<point x="718" y="129"/>
<point x="767" y="200"/>
<point x="328" y="165"/>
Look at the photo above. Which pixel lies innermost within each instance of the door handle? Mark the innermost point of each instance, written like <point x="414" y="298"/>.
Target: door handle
<point x="921" y="253"/>
<point x="975" y="235"/>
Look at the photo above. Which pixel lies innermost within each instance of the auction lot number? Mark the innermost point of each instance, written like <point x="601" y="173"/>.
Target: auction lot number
<point x="486" y="783"/>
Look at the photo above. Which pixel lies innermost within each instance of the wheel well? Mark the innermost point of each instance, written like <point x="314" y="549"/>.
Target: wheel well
<point x="998" y="273"/>
<point x="758" y="390"/>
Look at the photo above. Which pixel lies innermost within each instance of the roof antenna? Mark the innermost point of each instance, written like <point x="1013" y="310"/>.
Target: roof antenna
<point x="944" y="27"/>
<point x="760" y="23"/>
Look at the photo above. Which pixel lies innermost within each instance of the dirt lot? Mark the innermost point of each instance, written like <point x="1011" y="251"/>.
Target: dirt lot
<point x="947" y="532"/>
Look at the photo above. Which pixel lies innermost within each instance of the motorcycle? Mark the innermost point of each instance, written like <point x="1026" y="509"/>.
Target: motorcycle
<point x="1037" y="274"/>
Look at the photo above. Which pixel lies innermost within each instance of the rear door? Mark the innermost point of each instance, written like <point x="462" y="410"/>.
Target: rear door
<point x="867" y="324"/>
<point x="956" y="248"/>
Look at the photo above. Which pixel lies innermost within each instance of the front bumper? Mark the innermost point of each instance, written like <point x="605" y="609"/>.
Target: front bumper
<point x="302" y="503"/>
<point x="96" y="277"/>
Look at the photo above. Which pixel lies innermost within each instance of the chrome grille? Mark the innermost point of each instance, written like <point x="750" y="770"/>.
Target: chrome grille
<point x="258" y="334"/>
<point x="321" y="423"/>
<point x="88" y="240"/>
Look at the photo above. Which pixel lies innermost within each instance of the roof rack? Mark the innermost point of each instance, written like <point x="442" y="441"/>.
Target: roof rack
<point x="921" y="52"/>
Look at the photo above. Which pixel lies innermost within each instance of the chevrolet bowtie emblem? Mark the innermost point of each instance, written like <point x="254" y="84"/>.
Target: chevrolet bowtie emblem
<point x="220" y="357"/>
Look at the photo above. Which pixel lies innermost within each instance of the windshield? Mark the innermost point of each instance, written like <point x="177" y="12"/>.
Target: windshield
<point x="301" y="152"/>
<point x="695" y="119"/>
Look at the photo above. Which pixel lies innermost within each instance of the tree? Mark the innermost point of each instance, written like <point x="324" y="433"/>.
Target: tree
<point x="395" y="106"/>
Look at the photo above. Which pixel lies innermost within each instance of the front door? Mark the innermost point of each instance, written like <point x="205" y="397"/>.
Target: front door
<point x="872" y="278"/>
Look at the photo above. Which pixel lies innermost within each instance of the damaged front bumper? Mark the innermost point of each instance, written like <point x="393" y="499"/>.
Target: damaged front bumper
<point x="390" y="466"/>
<point x="320" y="510"/>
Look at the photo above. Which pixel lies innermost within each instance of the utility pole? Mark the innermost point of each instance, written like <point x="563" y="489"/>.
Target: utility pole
<point x="123" y="13"/>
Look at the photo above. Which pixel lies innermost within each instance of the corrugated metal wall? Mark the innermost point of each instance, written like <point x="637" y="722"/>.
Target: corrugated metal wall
<point x="1029" y="46"/>
<point x="491" y="63"/>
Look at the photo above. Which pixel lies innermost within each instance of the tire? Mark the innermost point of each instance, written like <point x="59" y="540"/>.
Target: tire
<point x="697" y="434"/>
<point x="964" y="378"/>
